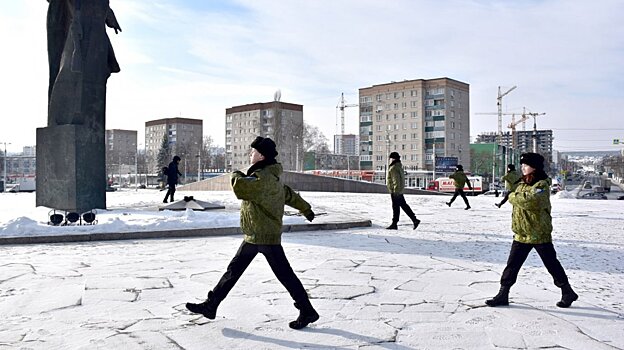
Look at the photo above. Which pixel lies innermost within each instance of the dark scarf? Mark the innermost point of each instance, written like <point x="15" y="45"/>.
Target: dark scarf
<point x="261" y="165"/>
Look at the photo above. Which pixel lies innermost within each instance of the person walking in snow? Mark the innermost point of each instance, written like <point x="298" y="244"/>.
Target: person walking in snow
<point x="531" y="223"/>
<point x="460" y="179"/>
<point x="172" y="178"/>
<point x="511" y="179"/>
<point x="395" y="181"/>
<point x="264" y="197"/>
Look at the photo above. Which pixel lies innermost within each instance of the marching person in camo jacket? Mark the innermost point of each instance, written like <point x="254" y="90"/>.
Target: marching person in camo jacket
<point x="512" y="179"/>
<point x="531" y="222"/>
<point x="262" y="209"/>
<point x="395" y="181"/>
<point x="460" y="179"/>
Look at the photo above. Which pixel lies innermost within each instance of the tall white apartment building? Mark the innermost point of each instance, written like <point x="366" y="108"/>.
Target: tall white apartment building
<point x="414" y="118"/>
<point x="281" y="121"/>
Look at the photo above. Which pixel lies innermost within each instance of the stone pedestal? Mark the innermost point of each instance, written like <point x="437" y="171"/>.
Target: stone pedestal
<point x="71" y="168"/>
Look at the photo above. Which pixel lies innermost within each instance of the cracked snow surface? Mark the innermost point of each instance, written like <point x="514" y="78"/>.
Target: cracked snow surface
<point x="373" y="288"/>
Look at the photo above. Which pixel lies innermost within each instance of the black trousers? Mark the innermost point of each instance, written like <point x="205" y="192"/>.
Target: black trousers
<point x="506" y="198"/>
<point x="277" y="261"/>
<point x="398" y="202"/>
<point x="170" y="192"/>
<point x="518" y="255"/>
<point x="460" y="192"/>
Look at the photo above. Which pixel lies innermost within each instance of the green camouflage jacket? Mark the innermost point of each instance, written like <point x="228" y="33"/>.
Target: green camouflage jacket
<point x="530" y="220"/>
<point x="264" y="197"/>
<point x="510" y="180"/>
<point x="459" y="178"/>
<point x="396" y="178"/>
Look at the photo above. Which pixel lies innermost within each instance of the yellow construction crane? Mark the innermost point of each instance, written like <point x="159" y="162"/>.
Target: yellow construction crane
<point x="499" y="105"/>
<point x="523" y="120"/>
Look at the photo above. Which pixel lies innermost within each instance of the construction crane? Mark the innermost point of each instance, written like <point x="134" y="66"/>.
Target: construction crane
<point x="499" y="104"/>
<point x="523" y="120"/>
<point x="342" y="105"/>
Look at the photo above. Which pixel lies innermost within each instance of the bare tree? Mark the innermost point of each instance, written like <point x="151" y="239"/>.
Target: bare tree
<point x="314" y="140"/>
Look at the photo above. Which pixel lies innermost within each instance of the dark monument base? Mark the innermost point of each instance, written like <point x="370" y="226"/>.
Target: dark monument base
<point x="71" y="170"/>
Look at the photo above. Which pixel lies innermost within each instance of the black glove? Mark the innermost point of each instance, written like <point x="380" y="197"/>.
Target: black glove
<point x="309" y="215"/>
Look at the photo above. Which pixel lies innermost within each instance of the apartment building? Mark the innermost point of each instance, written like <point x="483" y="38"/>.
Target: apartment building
<point x="523" y="140"/>
<point x="121" y="151"/>
<point x="184" y="135"/>
<point x="346" y="144"/>
<point x="281" y="121"/>
<point x="417" y="118"/>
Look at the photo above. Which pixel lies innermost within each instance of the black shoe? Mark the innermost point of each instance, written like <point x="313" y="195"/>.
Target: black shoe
<point x="498" y="205"/>
<point x="468" y="207"/>
<point x="165" y="201"/>
<point x="208" y="308"/>
<point x="392" y="227"/>
<point x="567" y="296"/>
<point x="501" y="299"/>
<point x="307" y="315"/>
<point x="449" y="204"/>
<point x="416" y="223"/>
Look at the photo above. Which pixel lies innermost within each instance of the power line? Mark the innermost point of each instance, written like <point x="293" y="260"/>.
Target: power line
<point x="585" y="129"/>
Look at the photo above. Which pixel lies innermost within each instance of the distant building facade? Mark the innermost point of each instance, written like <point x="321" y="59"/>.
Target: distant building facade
<point x="346" y="144"/>
<point x="19" y="165"/>
<point x="184" y="135"/>
<point x="524" y="141"/>
<point x="281" y="121"/>
<point x="121" y="152"/>
<point x="420" y="119"/>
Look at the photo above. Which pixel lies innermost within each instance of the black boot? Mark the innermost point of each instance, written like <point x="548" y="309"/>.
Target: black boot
<point x="208" y="308"/>
<point x="502" y="298"/>
<point x="392" y="226"/>
<point x="416" y="222"/>
<point x="449" y="204"/>
<point x="307" y="315"/>
<point x="567" y="296"/>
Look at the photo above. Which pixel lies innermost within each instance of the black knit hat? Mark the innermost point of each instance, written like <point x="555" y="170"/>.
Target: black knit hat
<point x="459" y="167"/>
<point x="265" y="146"/>
<point x="394" y="155"/>
<point x="511" y="167"/>
<point x="176" y="159"/>
<point x="534" y="160"/>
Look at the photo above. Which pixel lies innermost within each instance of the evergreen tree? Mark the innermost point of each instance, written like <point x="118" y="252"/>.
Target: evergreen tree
<point x="164" y="154"/>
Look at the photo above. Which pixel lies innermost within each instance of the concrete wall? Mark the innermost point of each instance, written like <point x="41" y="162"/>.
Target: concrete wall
<point x="304" y="182"/>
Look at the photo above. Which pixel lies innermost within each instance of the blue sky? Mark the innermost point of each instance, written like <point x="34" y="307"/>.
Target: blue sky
<point x="196" y="58"/>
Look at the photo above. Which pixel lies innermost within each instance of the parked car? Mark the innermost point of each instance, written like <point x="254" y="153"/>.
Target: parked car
<point x="593" y="195"/>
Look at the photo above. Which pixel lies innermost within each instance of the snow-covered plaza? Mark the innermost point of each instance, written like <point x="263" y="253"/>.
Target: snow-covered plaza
<point x="374" y="288"/>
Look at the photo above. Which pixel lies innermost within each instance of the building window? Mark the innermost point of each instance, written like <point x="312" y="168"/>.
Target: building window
<point x="414" y="93"/>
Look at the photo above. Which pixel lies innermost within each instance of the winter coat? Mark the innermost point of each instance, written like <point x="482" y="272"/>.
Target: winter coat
<point x="264" y="197"/>
<point x="396" y="177"/>
<point x="173" y="173"/>
<point x="530" y="220"/>
<point x="460" y="179"/>
<point x="510" y="180"/>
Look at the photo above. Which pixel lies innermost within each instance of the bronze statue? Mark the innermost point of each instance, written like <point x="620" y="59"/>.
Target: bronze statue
<point x="81" y="58"/>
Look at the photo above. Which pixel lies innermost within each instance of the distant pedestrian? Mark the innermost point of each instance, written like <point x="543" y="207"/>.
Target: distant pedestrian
<point x="531" y="223"/>
<point x="460" y="179"/>
<point x="395" y="181"/>
<point x="512" y="179"/>
<point x="172" y="178"/>
<point x="264" y="197"/>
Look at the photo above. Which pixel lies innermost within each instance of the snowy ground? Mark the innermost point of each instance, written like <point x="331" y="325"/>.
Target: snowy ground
<point x="374" y="288"/>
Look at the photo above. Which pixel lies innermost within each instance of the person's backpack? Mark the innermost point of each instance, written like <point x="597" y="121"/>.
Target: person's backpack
<point x="165" y="171"/>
